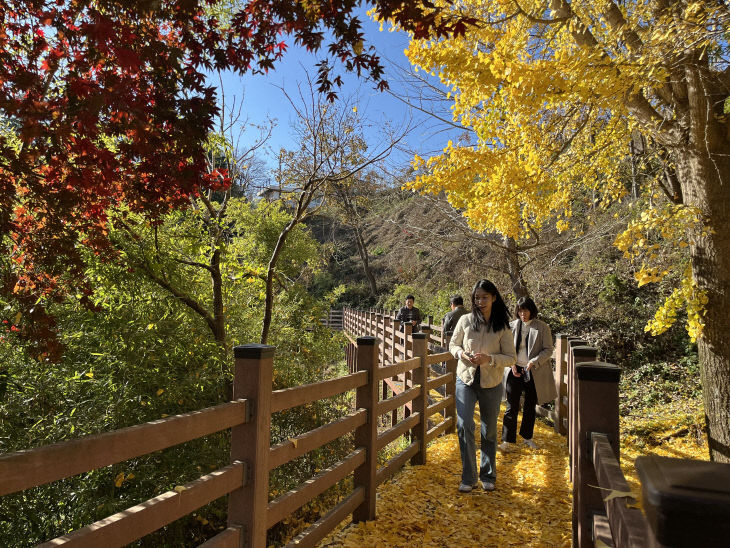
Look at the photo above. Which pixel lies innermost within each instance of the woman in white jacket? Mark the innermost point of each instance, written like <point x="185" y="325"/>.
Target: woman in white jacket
<point x="482" y="342"/>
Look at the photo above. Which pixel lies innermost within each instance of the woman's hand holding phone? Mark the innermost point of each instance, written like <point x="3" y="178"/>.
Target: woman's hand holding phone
<point x="479" y="358"/>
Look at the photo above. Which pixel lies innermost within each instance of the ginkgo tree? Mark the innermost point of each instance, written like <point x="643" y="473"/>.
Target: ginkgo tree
<point x="556" y="91"/>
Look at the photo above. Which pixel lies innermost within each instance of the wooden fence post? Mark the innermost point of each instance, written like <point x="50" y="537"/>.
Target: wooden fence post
<point x="386" y="334"/>
<point x="407" y="345"/>
<point x="394" y="353"/>
<point x="450" y="410"/>
<point x="686" y="502"/>
<point x="596" y="393"/>
<point x="426" y="330"/>
<point x="572" y="414"/>
<point x="561" y="409"/>
<point x="351" y="357"/>
<point x="247" y="506"/>
<point x="420" y="376"/>
<point x="407" y="354"/>
<point x="384" y="354"/>
<point x="380" y="334"/>
<point x="367" y="435"/>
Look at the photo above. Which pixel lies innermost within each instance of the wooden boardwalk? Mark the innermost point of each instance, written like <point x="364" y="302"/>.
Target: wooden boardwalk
<point x="420" y="506"/>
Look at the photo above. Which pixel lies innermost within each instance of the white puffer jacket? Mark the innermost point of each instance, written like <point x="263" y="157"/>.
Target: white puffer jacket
<point x="500" y="346"/>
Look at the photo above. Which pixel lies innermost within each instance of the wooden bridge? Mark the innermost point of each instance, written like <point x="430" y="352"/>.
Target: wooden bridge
<point x="393" y="374"/>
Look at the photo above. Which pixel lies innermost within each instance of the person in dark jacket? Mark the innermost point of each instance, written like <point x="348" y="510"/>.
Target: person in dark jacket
<point x="457" y="311"/>
<point x="409" y="314"/>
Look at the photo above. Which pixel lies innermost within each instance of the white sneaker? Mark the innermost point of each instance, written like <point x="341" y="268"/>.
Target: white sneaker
<point x="531" y="444"/>
<point x="465" y="488"/>
<point x="505" y="446"/>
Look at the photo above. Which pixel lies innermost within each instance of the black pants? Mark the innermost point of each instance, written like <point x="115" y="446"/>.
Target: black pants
<point x="515" y="386"/>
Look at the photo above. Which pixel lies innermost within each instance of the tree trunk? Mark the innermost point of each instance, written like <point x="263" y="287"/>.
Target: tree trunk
<point x="219" y="319"/>
<point x="352" y="219"/>
<point x="514" y="269"/>
<point x="706" y="185"/>
<point x="269" y="301"/>
<point x="363" y="251"/>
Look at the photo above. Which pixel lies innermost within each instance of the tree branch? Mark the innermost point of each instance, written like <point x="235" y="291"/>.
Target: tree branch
<point x="540" y="20"/>
<point x="187" y="300"/>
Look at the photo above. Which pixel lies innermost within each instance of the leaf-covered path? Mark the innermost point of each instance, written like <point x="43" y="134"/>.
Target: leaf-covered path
<point x="420" y="506"/>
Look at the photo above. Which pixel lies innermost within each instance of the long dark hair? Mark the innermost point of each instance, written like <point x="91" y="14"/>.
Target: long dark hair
<point x="499" y="316"/>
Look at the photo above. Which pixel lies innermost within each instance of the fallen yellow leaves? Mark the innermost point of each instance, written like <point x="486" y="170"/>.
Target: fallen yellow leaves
<point x="670" y="430"/>
<point x="420" y="506"/>
<point x="121" y="478"/>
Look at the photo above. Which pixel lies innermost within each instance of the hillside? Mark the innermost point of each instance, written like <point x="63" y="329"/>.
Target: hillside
<point x="580" y="281"/>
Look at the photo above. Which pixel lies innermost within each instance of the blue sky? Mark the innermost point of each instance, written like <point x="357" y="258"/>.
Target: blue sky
<point x="263" y="97"/>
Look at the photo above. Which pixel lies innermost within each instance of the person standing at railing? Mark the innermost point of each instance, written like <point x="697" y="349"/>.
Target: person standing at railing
<point x="482" y="342"/>
<point x="409" y="314"/>
<point x="457" y="311"/>
<point x="532" y="373"/>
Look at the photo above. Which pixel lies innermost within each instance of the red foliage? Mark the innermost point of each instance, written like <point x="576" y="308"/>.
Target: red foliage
<point x="106" y="102"/>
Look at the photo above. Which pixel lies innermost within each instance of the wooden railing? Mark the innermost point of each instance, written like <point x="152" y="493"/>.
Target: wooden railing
<point x="333" y="319"/>
<point x="692" y="509"/>
<point x="397" y="345"/>
<point x="25" y="469"/>
<point x="677" y="494"/>
<point x="246" y="479"/>
<point x="399" y="374"/>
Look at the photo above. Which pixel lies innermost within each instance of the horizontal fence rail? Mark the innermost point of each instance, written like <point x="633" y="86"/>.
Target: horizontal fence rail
<point x="143" y="519"/>
<point x="25" y="469"/>
<point x="302" y="395"/>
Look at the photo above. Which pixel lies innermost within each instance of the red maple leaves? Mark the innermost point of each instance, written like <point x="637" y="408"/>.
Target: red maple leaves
<point x="106" y="103"/>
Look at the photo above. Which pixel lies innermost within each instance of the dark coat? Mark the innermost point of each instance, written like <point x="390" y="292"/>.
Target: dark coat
<point x="452" y="317"/>
<point x="406" y="315"/>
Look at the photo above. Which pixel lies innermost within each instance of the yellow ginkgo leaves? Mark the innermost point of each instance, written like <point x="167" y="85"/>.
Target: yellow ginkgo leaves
<point x="671" y="225"/>
<point x="420" y="506"/>
<point x="121" y="477"/>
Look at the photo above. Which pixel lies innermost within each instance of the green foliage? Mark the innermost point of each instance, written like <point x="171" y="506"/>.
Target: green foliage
<point x="431" y="301"/>
<point x="614" y="288"/>
<point x="139" y="354"/>
<point x="138" y="358"/>
<point x="355" y="295"/>
<point x="660" y="382"/>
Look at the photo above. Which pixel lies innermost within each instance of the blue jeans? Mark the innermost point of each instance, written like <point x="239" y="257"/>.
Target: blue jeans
<point x="489" y="400"/>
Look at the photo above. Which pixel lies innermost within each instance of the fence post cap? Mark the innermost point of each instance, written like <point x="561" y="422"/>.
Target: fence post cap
<point x="584" y="350"/>
<point x="598" y="372"/>
<point x="418" y="336"/>
<point x="253" y="351"/>
<point x="561" y="336"/>
<point x="686" y="500"/>
<point x="366" y="341"/>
